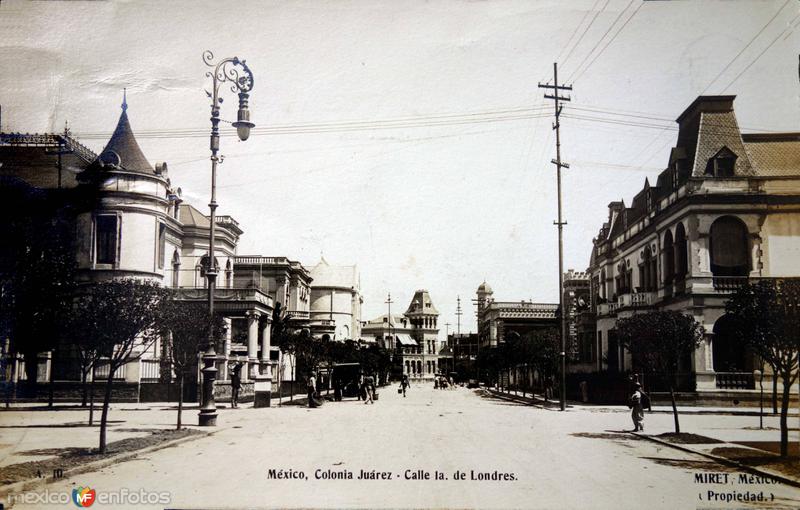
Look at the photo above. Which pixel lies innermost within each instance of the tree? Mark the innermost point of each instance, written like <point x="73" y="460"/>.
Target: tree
<point x="542" y="351"/>
<point x="658" y="341"/>
<point x="285" y="338"/>
<point x="119" y="318"/>
<point x="767" y="320"/>
<point x="37" y="269"/>
<point x="187" y="323"/>
<point x="88" y="353"/>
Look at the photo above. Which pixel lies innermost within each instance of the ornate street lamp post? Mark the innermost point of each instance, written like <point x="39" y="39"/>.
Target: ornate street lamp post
<point x="235" y="71"/>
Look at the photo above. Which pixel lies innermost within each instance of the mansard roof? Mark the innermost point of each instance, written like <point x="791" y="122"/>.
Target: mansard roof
<point x="774" y="154"/>
<point x="123" y="149"/>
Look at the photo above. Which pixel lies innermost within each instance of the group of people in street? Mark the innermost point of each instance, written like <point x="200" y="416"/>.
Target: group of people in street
<point x="366" y="390"/>
<point x="441" y="382"/>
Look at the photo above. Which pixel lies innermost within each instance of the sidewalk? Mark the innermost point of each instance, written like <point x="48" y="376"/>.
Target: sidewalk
<point x="729" y="436"/>
<point x="538" y="400"/>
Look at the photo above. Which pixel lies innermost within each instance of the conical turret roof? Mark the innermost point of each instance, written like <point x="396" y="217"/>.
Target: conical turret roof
<point x="123" y="149"/>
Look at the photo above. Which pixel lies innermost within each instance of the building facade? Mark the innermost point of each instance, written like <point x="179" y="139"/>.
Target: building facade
<point x="137" y="226"/>
<point x="498" y="318"/>
<point x="335" y="301"/>
<point x="413" y="337"/>
<point x="725" y="211"/>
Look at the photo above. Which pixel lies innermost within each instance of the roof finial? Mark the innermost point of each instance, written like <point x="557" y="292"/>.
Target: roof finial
<point x="124" y="99"/>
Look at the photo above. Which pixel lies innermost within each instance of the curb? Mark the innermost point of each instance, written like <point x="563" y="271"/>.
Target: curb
<point x="525" y="400"/>
<point x="27" y="485"/>
<point x="722" y="460"/>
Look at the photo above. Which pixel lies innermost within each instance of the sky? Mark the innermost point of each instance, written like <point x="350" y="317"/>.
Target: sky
<point x="407" y="137"/>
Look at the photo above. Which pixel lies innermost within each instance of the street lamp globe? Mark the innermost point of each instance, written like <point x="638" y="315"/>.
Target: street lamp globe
<point x="243" y="124"/>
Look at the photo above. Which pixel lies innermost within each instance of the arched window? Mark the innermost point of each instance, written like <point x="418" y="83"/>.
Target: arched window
<point x="228" y="274"/>
<point x="681" y="266"/>
<point x="199" y="276"/>
<point x="669" y="258"/>
<point x="602" y="285"/>
<point x="176" y="268"/>
<point x="729" y="355"/>
<point x="730" y="249"/>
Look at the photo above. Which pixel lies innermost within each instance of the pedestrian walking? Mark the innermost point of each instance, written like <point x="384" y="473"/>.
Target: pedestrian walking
<point x="236" y="383"/>
<point x="635" y="403"/>
<point x="369" y="389"/>
<point x="404" y="384"/>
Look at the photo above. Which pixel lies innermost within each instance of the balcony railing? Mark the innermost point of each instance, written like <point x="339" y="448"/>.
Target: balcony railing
<point x="637" y="299"/>
<point x="729" y="283"/>
<point x="226" y="220"/>
<point x="226" y="294"/>
<point x="736" y="380"/>
<point x="607" y="308"/>
<point x="259" y="260"/>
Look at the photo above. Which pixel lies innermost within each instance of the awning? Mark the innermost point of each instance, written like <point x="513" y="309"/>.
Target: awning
<point x="405" y="339"/>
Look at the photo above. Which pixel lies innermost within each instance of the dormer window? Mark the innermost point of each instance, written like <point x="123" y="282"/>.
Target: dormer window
<point x="722" y="164"/>
<point x="649" y="200"/>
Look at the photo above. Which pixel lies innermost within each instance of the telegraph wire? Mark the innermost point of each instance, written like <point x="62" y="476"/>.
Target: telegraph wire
<point x="608" y="30"/>
<point x="584" y="113"/>
<point x="787" y="30"/>
<point x="585" y="30"/>
<point x="729" y="64"/>
<point x="646" y="147"/>
<point x="610" y="40"/>
<point x="578" y="26"/>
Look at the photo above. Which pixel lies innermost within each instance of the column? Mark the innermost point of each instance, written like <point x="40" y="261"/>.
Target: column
<point x="263" y="384"/>
<point x="226" y="352"/>
<point x="252" y="344"/>
<point x="266" y="334"/>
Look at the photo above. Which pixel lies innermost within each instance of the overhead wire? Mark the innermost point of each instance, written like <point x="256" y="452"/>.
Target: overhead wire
<point x="608" y="43"/>
<point x="596" y="44"/>
<point x="649" y="144"/>
<point x="577" y="27"/>
<point x="788" y="30"/>
<point x="752" y="40"/>
<point x="585" y="31"/>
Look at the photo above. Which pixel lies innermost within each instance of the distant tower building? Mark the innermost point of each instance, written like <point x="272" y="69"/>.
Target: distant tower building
<point x="484" y="296"/>
<point x="424" y="318"/>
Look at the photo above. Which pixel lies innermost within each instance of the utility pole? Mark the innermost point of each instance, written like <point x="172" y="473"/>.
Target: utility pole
<point x="389" y="304"/>
<point x="556" y="88"/>
<point x="62" y="149"/>
<point x="458" y="331"/>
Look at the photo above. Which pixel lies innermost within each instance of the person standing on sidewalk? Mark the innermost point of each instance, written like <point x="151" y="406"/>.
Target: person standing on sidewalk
<point x="637" y="409"/>
<point x="236" y="384"/>
<point x="311" y="387"/>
